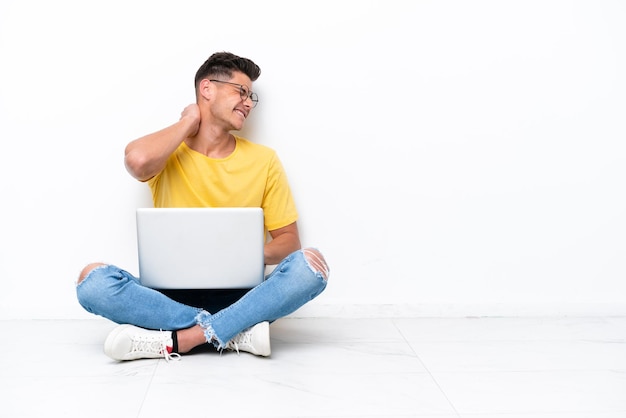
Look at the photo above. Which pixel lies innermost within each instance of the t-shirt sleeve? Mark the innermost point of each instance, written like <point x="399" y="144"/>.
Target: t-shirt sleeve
<point x="278" y="203"/>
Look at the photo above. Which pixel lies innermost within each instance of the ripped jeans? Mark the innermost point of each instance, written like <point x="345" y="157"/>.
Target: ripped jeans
<point x="115" y="294"/>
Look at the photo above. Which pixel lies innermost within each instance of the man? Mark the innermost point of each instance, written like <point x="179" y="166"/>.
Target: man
<point x="197" y="162"/>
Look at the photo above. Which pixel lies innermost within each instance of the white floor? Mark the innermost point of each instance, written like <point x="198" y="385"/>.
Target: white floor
<point x="470" y="367"/>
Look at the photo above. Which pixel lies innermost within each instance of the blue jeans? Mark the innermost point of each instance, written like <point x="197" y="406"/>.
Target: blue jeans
<point x="115" y="294"/>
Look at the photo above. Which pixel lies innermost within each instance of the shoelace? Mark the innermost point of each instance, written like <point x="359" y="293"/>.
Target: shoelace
<point x="169" y="356"/>
<point x="152" y="345"/>
<point x="244" y="338"/>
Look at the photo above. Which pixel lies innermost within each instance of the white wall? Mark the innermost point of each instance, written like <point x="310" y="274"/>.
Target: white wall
<point x="449" y="157"/>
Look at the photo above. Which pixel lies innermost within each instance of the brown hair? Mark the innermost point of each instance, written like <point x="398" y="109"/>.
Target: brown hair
<point x="224" y="64"/>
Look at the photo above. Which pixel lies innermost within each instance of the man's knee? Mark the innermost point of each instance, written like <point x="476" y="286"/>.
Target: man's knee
<point x="88" y="269"/>
<point x="317" y="261"/>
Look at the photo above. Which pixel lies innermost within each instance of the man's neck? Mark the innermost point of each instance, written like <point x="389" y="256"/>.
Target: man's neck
<point x="212" y="144"/>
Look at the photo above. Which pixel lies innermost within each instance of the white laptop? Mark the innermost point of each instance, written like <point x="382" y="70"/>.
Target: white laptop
<point x="200" y="248"/>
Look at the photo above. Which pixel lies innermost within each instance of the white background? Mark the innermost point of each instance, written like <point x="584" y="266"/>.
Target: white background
<point x="449" y="157"/>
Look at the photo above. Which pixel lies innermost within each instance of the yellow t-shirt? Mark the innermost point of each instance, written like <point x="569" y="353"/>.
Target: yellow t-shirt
<point x="252" y="176"/>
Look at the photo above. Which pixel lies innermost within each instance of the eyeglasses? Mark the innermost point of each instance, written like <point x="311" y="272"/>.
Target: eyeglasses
<point x="244" y="93"/>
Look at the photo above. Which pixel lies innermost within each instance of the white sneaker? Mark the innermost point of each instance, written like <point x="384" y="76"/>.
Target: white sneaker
<point x="128" y="342"/>
<point x="255" y="340"/>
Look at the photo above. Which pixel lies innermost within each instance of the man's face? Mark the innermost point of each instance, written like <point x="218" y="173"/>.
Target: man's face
<point x="233" y="99"/>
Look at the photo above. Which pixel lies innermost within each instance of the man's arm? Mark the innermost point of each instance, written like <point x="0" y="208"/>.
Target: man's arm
<point x="284" y="241"/>
<point x="146" y="157"/>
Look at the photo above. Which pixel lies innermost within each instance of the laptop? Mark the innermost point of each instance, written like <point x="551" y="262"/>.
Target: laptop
<point x="200" y="248"/>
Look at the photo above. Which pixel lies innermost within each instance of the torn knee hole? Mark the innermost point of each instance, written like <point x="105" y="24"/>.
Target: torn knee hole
<point x="316" y="261"/>
<point x="88" y="269"/>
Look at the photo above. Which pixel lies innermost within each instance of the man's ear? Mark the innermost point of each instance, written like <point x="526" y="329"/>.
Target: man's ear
<point x="205" y="89"/>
